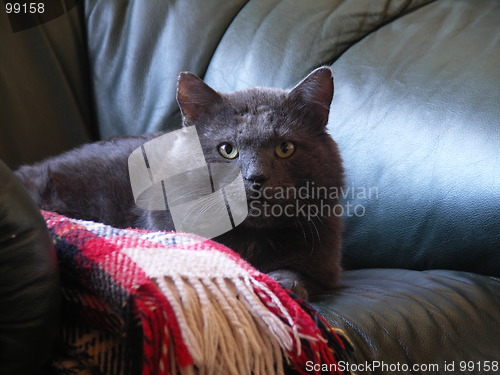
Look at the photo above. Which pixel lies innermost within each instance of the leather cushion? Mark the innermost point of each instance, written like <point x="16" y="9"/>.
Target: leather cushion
<point x="417" y="318"/>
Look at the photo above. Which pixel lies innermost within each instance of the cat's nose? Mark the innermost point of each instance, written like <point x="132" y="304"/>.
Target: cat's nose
<point x="257" y="179"/>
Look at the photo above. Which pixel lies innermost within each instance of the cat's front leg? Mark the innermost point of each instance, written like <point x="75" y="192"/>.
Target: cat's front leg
<point x="292" y="280"/>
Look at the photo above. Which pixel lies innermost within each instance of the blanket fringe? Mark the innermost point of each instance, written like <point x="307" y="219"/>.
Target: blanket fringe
<point x="203" y="310"/>
<point x="228" y="329"/>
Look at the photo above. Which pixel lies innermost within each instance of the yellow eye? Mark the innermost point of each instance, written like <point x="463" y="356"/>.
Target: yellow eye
<point x="285" y="149"/>
<point x="228" y="151"/>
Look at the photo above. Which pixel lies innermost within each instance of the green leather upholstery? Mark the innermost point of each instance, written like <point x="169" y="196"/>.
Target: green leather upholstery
<point x="416" y="115"/>
<point x="276" y="43"/>
<point x="137" y="49"/>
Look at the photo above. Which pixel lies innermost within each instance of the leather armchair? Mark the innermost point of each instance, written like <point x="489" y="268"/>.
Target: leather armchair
<point x="416" y="115"/>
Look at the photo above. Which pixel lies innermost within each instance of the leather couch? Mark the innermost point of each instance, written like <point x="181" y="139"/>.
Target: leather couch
<point x="416" y="114"/>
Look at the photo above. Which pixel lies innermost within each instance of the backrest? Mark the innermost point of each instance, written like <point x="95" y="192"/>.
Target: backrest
<point x="136" y="50"/>
<point x="417" y="116"/>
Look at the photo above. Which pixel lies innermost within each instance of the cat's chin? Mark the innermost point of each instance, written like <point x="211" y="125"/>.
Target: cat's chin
<point x="270" y="214"/>
<point x="265" y="222"/>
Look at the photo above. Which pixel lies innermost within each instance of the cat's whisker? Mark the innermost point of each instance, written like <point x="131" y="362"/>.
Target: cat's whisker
<point x="303" y="230"/>
<point x="188" y="215"/>
<point x="320" y="219"/>
<point x="199" y="211"/>
<point x="314" y="233"/>
<point x="316" y="230"/>
<point x="272" y="244"/>
<point x="188" y="193"/>
<point x="312" y="237"/>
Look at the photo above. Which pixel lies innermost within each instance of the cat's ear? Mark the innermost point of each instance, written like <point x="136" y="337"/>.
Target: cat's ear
<point x="316" y="92"/>
<point x="195" y="97"/>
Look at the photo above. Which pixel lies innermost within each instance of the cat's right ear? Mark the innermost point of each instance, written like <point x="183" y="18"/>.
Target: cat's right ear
<point x="315" y="91"/>
<point x="194" y="97"/>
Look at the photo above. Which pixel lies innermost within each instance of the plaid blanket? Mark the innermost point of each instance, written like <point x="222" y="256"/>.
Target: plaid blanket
<point x="140" y="302"/>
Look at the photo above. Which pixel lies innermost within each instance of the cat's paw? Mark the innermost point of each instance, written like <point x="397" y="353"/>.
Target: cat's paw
<point x="291" y="280"/>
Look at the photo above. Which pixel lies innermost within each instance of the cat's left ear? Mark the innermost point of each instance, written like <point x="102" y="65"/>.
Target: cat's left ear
<point x="195" y="97"/>
<point x="315" y="91"/>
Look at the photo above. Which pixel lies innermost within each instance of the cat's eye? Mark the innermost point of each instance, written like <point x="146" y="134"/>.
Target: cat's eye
<point x="228" y="150"/>
<point x="285" y="149"/>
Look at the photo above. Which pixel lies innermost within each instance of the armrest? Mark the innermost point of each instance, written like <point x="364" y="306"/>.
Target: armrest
<point x="29" y="281"/>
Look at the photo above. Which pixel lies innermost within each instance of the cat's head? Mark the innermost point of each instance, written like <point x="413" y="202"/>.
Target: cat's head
<point x="276" y="137"/>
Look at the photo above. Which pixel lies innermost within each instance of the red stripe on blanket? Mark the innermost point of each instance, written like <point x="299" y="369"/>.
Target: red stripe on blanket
<point x="148" y="299"/>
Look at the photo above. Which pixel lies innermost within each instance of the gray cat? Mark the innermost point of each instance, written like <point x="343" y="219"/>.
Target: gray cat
<point x="289" y="164"/>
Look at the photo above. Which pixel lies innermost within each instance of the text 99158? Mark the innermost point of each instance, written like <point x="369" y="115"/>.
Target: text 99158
<point x="24" y="8"/>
